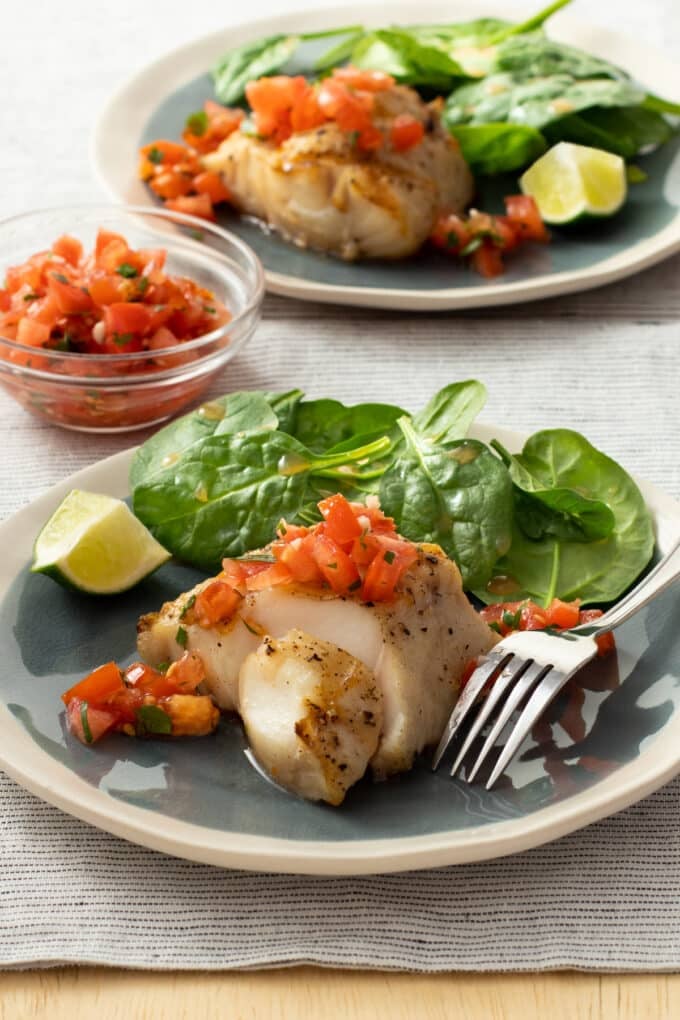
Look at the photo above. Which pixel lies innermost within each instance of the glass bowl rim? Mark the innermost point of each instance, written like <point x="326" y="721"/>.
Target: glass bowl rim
<point x="167" y="215"/>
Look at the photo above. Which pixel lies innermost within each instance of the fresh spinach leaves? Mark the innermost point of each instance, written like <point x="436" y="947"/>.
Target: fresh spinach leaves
<point x="556" y="468"/>
<point x="560" y="519"/>
<point x="454" y="493"/>
<point x="497" y="148"/>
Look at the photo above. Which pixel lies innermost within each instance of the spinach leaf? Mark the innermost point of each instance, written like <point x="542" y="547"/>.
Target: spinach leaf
<point x="339" y="53"/>
<point x="265" y="56"/>
<point x="537" y="56"/>
<point x="564" y="513"/>
<point x="399" y="52"/>
<point x="329" y="425"/>
<point x="451" y="412"/>
<point x="594" y="572"/>
<point x="262" y="57"/>
<point x="235" y="412"/>
<point x="284" y="406"/>
<point x="536" y="102"/>
<point x="626" y="130"/>
<point x="659" y="105"/>
<point x="225" y="495"/>
<point x="455" y="493"/>
<point x="498" y="148"/>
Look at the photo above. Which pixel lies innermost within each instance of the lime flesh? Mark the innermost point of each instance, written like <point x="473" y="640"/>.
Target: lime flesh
<point x="571" y="182"/>
<point x="95" y="544"/>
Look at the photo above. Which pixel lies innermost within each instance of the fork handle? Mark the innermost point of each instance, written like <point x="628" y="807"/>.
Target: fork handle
<point x="664" y="574"/>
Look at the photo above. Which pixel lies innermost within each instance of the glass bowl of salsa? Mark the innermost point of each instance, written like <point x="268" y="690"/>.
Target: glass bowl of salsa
<point x="114" y="318"/>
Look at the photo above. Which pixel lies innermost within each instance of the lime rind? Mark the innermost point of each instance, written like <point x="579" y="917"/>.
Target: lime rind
<point x="95" y="544"/>
<point x="572" y="182"/>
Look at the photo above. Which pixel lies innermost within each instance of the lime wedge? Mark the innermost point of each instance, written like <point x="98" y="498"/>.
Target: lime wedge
<point x="571" y="182"/>
<point x="96" y="544"/>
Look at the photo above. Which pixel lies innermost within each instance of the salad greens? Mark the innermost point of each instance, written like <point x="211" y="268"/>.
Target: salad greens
<point x="511" y="90"/>
<point x="547" y="561"/>
<point x="558" y="520"/>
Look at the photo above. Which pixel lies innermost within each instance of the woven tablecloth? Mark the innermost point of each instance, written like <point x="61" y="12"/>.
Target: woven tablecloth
<point x="604" y="362"/>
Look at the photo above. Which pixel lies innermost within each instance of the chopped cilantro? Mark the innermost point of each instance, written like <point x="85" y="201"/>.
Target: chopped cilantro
<point x="151" y="720"/>
<point x="197" y="123"/>
<point x="126" y="270"/>
<point x="390" y="556"/>
<point x="143" y="284"/>
<point x="31" y="297"/>
<point x="155" y="155"/>
<point x="355" y="585"/>
<point x="472" y="245"/>
<point x="187" y="606"/>
<point x="209" y="310"/>
<point x="511" y="620"/>
<point x="61" y="277"/>
<point x="85" y="723"/>
<point x="163" y="667"/>
<point x="181" y="637"/>
<point x="121" y="339"/>
<point x="64" y="343"/>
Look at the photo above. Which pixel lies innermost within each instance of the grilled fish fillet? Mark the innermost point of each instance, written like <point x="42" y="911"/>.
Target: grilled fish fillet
<point x="312" y="714"/>
<point x="320" y="192"/>
<point x="415" y="648"/>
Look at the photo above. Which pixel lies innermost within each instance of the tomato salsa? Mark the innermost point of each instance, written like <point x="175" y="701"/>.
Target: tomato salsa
<point x="113" y="300"/>
<point x="141" y="701"/>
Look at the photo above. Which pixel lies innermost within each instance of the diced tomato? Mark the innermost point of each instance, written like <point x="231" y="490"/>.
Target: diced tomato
<point x="505" y="235"/>
<point x="97" y="685"/>
<point x="563" y="614"/>
<point x="468" y="670"/>
<point x="186" y="674"/>
<point x="297" y="556"/>
<point x="367" y="80"/>
<point x="88" y="723"/>
<point x="164" y="151"/>
<point x="381" y="577"/>
<point x="488" y="260"/>
<point x="289" y="532"/>
<point x="351" y="110"/>
<point x="306" y="114"/>
<point x="211" y="184"/>
<point x="532" y="617"/>
<point x="523" y="213"/>
<point x="106" y="289"/>
<point x="216" y="603"/>
<point x="406" y="131"/>
<point x="5" y="300"/>
<point x="68" y="248"/>
<point x="273" y="575"/>
<point x="193" y="205"/>
<point x="605" y="642"/>
<point x="335" y="565"/>
<point x="171" y="184"/>
<point x="105" y="238"/>
<point x="124" y="317"/>
<point x="370" y="138"/>
<point x="451" y="232"/>
<point x="341" y="520"/>
<point x="71" y="300"/>
<point x="32" y="333"/>
<point x="162" y="339"/>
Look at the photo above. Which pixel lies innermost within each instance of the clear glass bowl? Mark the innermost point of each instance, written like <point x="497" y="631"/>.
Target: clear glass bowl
<point x="121" y="392"/>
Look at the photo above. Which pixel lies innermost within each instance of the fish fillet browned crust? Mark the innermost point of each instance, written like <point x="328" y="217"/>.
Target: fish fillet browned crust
<point x="320" y="191"/>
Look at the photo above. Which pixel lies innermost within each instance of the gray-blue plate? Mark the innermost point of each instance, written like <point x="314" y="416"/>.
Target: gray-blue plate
<point x="156" y="103"/>
<point x="608" y="740"/>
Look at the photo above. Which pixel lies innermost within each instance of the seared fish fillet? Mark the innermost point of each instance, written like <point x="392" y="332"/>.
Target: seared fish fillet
<point x="320" y="192"/>
<point x="312" y="713"/>
<point x="415" y="648"/>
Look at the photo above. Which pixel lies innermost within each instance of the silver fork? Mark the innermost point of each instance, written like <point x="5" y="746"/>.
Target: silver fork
<point x="535" y="665"/>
